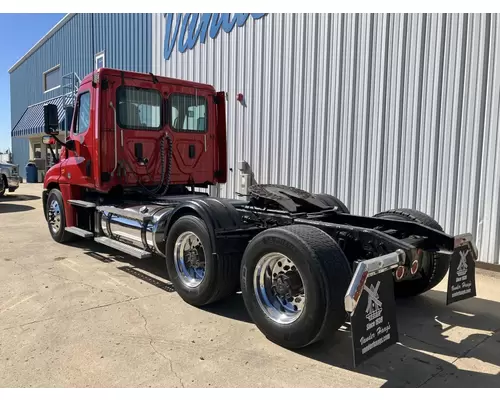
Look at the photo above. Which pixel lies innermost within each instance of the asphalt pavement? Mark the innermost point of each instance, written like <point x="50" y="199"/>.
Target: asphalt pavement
<point x="82" y="315"/>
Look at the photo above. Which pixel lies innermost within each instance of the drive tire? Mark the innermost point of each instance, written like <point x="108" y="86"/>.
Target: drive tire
<point x="333" y="201"/>
<point x="325" y="274"/>
<point x="221" y="276"/>
<point x="60" y="235"/>
<point x="435" y="266"/>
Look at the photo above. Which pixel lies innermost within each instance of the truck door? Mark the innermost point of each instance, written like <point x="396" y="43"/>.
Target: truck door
<point x="191" y="124"/>
<point x="77" y="168"/>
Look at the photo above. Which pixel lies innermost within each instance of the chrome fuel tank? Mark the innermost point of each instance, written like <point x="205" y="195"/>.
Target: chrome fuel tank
<point x="129" y="231"/>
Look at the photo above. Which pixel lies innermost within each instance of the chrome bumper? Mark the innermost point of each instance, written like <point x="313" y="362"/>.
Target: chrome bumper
<point x="13" y="182"/>
<point x="367" y="268"/>
<point x="374" y="266"/>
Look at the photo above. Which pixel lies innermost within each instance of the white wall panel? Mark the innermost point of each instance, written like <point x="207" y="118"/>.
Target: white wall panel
<point x="382" y="110"/>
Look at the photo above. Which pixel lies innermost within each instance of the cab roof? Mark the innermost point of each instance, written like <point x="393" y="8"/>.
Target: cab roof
<point x="149" y="77"/>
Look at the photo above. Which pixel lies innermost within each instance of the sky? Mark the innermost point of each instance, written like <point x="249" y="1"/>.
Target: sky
<point x="19" y="33"/>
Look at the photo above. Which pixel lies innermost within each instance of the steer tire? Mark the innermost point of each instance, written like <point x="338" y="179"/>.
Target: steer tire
<point x="59" y="235"/>
<point x="332" y="201"/>
<point x="221" y="273"/>
<point x="433" y="268"/>
<point x="325" y="275"/>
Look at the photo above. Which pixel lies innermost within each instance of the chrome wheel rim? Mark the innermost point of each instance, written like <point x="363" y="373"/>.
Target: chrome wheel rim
<point x="54" y="216"/>
<point x="189" y="259"/>
<point x="279" y="288"/>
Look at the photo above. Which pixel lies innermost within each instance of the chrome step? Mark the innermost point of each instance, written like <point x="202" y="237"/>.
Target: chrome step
<point x="81" y="203"/>
<point x="125" y="248"/>
<point x="79" y="232"/>
<point x="126" y="213"/>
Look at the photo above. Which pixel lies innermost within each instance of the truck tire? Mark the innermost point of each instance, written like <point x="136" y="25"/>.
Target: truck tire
<point x="433" y="270"/>
<point x="188" y="246"/>
<point x="56" y="217"/>
<point x="332" y="201"/>
<point x="315" y="273"/>
<point x="3" y="185"/>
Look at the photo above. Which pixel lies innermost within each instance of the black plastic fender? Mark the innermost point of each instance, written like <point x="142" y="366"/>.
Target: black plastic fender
<point x="218" y="214"/>
<point x="45" y="195"/>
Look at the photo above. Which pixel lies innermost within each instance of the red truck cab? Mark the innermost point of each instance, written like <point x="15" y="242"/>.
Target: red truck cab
<point x="126" y="125"/>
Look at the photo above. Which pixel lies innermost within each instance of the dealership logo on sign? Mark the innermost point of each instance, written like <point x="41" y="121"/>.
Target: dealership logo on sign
<point x="186" y="30"/>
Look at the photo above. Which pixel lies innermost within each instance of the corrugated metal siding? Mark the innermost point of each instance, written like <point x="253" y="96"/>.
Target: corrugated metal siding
<point x="125" y="38"/>
<point x="21" y="153"/>
<point x="382" y="110"/>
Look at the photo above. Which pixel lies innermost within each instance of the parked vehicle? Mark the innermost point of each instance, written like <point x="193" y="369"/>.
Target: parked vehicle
<point x="9" y="178"/>
<point x="140" y="148"/>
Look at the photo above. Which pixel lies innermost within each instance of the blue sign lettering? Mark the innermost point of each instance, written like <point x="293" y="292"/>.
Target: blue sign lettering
<point x="186" y="30"/>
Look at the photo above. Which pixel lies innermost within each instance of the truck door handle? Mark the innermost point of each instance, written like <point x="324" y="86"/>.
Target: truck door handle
<point x="192" y="151"/>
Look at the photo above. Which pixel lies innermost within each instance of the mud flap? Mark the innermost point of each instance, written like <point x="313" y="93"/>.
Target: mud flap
<point x="371" y="305"/>
<point x="462" y="273"/>
<point x="373" y="323"/>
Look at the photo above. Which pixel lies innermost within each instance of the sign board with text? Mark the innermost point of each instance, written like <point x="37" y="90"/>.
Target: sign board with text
<point x="373" y="323"/>
<point x="461" y="276"/>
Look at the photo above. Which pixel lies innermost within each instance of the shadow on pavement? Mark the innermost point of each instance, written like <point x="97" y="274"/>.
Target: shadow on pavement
<point x="18" y="197"/>
<point x="232" y="308"/>
<point x="12" y="208"/>
<point x="426" y="325"/>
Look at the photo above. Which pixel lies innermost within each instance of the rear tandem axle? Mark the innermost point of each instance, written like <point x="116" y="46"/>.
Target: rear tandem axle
<point x="303" y="263"/>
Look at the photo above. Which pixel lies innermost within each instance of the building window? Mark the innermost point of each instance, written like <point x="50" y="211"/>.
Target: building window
<point x="188" y="113"/>
<point x="37" y="151"/>
<point x="82" y="121"/>
<point x="52" y="79"/>
<point x="139" y="108"/>
<point x="99" y="60"/>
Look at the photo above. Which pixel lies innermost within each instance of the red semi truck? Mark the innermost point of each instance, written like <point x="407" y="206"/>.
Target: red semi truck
<point x="140" y="148"/>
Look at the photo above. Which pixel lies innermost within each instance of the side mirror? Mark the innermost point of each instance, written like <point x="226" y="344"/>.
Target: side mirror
<point x="48" y="140"/>
<point x="50" y="118"/>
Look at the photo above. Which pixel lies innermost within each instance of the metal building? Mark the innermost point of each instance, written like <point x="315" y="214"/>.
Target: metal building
<point x="382" y="110"/>
<point x="52" y="70"/>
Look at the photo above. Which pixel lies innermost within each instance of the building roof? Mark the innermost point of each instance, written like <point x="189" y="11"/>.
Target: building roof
<point x="38" y="44"/>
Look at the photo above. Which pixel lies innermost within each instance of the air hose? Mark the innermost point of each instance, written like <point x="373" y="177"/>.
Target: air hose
<point x="169" y="169"/>
<point x="155" y="191"/>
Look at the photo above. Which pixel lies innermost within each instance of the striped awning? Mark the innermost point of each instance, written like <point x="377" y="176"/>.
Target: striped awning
<point x="31" y="122"/>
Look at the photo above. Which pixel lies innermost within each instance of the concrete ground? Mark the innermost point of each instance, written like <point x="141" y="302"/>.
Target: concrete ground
<point x="82" y="315"/>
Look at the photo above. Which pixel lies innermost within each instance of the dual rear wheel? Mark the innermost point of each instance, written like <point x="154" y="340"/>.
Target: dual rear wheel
<point x="433" y="267"/>
<point x="293" y="279"/>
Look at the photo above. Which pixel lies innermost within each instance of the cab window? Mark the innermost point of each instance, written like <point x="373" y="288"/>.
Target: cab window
<point x="188" y="113"/>
<point x="82" y="121"/>
<point x="139" y="108"/>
